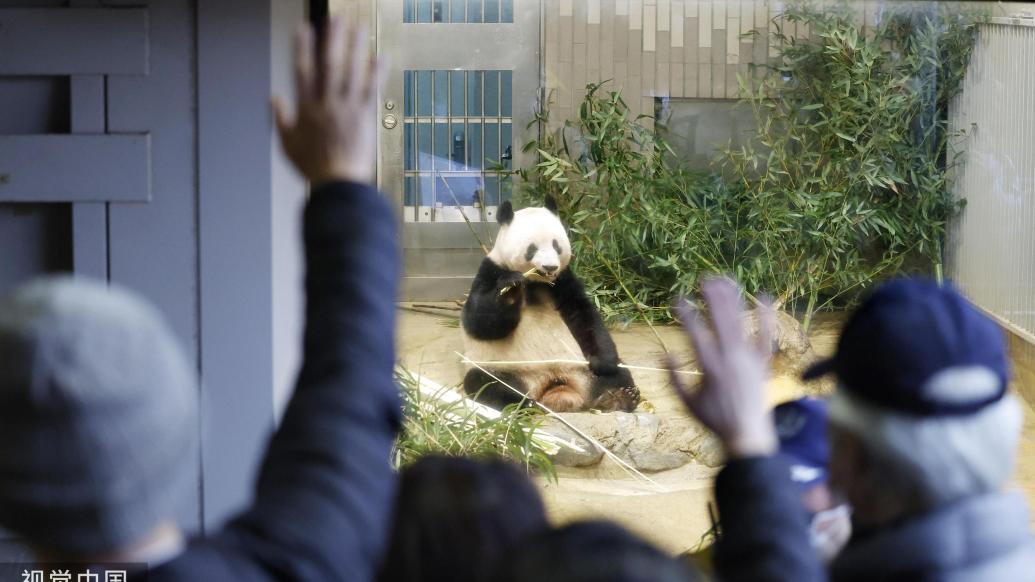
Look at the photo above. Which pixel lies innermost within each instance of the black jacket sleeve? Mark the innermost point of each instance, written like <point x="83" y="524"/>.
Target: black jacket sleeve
<point x="764" y="534"/>
<point x="322" y="503"/>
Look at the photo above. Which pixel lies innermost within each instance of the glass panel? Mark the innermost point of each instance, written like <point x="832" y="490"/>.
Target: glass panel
<point x="423" y="10"/>
<point x="408" y="93"/>
<point x="492" y="93"/>
<point x="456" y="93"/>
<point x="457" y="11"/>
<point x="506" y="90"/>
<point x="409" y="153"/>
<point x="698" y="129"/>
<point x="474" y="145"/>
<point x="452" y="137"/>
<point x="474" y="10"/>
<point x="492" y="10"/>
<point x="492" y="190"/>
<point x="441" y="146"/>
<point x="506" y="189"/>
<point x="410" y="191"/>
<point x="458" y="155"/>
<point x="426" y="156"/>
<point x="424" y="93"/>
<point x="474" y="93"/>
<point x="441" y="93"/>
<point x="464" y="188"/>
<point x="492" y="143"/>
<point x="426" y="190"/>
<point x="505" y="145"/>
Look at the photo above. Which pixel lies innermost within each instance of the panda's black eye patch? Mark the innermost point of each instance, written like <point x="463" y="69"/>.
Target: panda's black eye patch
<point x="556" y="246"/>
<point x="532" y="250"/>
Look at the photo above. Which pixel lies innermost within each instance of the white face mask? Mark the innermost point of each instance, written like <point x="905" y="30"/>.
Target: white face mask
<point x="830" y="530"/>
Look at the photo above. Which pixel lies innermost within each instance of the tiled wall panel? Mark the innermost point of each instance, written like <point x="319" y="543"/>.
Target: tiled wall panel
<point x="649" y="48"/>
<point x="675" y="48"/>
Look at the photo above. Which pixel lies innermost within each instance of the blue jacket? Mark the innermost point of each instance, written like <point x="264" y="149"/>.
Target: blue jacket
<point x="765" y="537"/>
<point x="979" y="539"/>
<point x="323" y="498"/>
<point x="764" y="531"/>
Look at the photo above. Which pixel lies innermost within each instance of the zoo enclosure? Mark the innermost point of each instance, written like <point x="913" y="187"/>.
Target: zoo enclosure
<point x="678" y="56"/>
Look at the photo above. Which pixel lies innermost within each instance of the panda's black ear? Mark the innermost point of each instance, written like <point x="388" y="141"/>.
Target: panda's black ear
<point x="505" y="213"/>
<point x="550" y="204"/>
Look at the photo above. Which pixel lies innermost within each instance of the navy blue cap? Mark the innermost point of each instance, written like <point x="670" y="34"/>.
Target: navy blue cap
<point x="921" y="348"/>
<point x="801" y="426"/>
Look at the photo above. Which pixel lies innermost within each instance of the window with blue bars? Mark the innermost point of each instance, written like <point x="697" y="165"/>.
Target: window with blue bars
<point x="458" y="137"/>
<point x="458" y="11"/>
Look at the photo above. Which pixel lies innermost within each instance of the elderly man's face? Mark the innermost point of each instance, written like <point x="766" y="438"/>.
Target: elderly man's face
<point x="845" y="463"/>
<point x="852" y="477"/>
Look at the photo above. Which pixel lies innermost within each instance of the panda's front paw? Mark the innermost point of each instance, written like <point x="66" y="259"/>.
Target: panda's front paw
<point x="603" y="366"/>
<point x="623" y="399"/>
<point x="509" y="286"/>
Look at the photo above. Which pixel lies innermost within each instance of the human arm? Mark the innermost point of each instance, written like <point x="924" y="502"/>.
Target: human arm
<point x="325" y="486"/>
<point x="764" y="534"/>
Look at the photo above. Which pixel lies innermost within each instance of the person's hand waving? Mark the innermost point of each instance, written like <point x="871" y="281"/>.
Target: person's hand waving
<point x="332" y="135"/>
<point x="731" y="401"/>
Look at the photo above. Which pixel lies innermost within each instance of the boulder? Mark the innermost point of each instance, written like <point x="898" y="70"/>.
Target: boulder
<point x="647" y="442"/>
<point x="792" y="352"/>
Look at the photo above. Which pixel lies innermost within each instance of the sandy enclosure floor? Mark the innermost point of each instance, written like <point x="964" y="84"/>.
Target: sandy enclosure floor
<point x="673" y="513"/>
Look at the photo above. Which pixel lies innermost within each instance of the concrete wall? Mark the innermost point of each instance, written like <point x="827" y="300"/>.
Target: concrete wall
<point x="288" y="197"/>
<point x="212" y="236"/>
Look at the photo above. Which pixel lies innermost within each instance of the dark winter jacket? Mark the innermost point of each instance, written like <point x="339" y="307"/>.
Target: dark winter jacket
<point x="979" y="539"/>
<point x="765" y="537"/>
<point x="322" y="502"/>
<point x="764" y="532"/>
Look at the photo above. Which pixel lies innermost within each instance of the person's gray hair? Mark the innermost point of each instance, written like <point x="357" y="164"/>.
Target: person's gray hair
<point x="98" y="417"/>
<point x="942" y="458"/>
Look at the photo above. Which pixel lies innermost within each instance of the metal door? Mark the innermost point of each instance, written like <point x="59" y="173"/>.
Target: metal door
<point x="454" y="114"/>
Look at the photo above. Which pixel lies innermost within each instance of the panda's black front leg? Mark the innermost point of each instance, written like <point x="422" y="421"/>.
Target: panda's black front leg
<point x="493" y="308"/>
<point x="496" y="390"/>
<point x="612" y="387"/>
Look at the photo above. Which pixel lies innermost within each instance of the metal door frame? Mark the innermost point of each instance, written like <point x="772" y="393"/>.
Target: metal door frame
<point x="478" y="46"/>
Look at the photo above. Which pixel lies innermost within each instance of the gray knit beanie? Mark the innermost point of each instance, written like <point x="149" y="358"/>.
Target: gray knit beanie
<point x="98" y="417"/>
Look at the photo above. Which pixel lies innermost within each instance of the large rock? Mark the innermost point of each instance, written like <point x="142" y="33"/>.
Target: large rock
<point x="646" y="441"/>
<point x="792" y="352"/>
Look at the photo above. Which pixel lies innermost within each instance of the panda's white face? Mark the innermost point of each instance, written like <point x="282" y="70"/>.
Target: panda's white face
<point x="533" y="239"/>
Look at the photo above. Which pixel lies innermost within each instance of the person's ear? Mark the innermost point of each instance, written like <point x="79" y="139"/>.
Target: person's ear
<point x="505" y="213"/>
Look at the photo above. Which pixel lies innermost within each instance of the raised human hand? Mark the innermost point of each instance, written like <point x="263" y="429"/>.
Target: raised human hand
<point x="731" y="400"/>
<point x="332" y="134"/>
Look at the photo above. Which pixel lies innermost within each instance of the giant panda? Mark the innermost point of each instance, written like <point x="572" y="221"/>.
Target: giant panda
<point x="509" y="317"/>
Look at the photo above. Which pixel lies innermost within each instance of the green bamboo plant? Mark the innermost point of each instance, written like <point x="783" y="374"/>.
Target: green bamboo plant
<point x="844" y="183"/>
<point x="437" y="426"/>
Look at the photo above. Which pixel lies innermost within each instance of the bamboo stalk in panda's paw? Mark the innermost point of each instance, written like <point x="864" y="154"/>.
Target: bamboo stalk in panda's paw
<point x="526" y="275"/>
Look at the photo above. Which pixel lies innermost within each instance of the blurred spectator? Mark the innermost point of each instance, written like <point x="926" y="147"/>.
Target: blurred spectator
<point x="594" y="551"/>
<point x="801" y="426"/>
<point x="97" y="402"/>
<point x="455" y="517"/>
<point x="764" y="531"/>
<point x="924" y="437"/>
